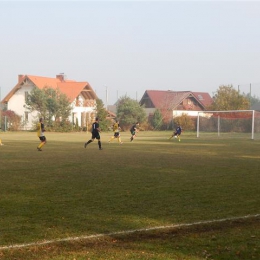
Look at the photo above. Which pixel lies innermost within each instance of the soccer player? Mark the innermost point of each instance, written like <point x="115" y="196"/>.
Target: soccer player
<point x="116" y="129"/>
<point x="177" y="133"/>
<point x="95" y="134"/>
<point x="40" y="133"/>
<point x="1" y="140"/>
<point x="133" y="131"/>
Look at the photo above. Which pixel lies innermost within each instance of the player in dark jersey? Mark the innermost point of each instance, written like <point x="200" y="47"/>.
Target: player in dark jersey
<point x="133" y="131"/>
<point x="95" y="134"/>
<point x="177" y="133"/>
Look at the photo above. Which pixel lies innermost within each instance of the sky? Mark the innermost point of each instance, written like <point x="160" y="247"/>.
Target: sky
<point x="123" y="48"/>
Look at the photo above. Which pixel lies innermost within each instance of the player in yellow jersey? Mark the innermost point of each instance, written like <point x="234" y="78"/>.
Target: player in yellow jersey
<point x="116" y="129"/>
<point x="40" y="134"/>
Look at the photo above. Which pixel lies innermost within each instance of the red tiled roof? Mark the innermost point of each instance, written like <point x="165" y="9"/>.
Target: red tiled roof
<point x="161" y="98"/>
<point x="204" y="98"/>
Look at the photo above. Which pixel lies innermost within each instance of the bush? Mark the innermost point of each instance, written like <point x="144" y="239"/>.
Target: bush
<point x="185" y="121"/>
<point x="14" y="121"/>
<point x="63" y="126"/>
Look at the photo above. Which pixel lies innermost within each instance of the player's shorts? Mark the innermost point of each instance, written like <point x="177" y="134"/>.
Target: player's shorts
<point x="42" y="138"/>
<point x="96" y="135"/>
<point x="132" y="132"/>
<point x="116" y="134"/>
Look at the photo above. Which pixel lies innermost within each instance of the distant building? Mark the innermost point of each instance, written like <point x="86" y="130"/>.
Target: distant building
<point x="81" y="95"/>
<point x="175" y="103"/>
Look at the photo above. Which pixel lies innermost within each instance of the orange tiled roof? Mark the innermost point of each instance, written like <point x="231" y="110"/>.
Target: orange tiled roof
<point x="69" y="87"/>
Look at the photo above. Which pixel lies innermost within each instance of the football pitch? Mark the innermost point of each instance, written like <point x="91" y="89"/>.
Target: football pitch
<point x="69" y="194"/>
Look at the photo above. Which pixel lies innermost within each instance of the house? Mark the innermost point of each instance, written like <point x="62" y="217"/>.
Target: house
<point x="175" y="103"/>
<point x="80" y="94"/>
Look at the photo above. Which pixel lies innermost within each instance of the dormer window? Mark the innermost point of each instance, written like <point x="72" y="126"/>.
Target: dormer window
<point x="200" y="97"/>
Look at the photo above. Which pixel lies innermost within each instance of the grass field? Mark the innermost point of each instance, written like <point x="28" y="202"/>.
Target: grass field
<point x="69" y="191"/>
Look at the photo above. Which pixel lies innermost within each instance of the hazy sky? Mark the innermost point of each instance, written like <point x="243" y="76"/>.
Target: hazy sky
<point x="127" y="47"/>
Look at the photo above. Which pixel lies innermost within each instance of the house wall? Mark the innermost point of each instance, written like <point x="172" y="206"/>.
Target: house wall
<point x="17" y="101"/>
<point x="82" y="111"/>
<point x="149" y="111"/>
<point x="82" y="115"/>
<point x="189" y="104"/>
<point x="147" y="103"/>
<point x="191" y="113"/>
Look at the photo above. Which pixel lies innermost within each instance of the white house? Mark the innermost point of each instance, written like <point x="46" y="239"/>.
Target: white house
<point x="82" y="97"/>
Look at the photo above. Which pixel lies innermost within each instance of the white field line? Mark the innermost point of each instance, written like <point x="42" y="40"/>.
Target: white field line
<point x="70" y="239"/>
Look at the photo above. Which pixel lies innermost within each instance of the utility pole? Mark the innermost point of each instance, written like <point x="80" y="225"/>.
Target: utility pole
<point x="0" y="110"/>
<point x="106" y="96"/>
<point x="250" y="96"/>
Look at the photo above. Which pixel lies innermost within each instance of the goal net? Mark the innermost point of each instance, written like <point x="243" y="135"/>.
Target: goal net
<point x="229" y="124"/>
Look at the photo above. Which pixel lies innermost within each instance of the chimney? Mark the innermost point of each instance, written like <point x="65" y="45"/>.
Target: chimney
<point x="60" y="76"/>
<point x="20" y="78"/>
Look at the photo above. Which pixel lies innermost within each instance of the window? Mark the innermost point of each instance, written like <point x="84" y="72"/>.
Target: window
<point x="26" y="96"/>
<point x="26" y="116"/>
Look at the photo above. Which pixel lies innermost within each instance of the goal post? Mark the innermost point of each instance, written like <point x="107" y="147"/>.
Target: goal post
<point x="239" y="123"/>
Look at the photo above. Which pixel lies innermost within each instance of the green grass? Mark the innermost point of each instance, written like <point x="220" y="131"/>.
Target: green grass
<point x="69" y="191"/>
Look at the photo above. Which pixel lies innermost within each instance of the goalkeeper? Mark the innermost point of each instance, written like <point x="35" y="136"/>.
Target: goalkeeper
<point x="177" y="133"/>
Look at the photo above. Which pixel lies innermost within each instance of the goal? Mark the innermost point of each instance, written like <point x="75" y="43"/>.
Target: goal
<point x="230" y="123"/>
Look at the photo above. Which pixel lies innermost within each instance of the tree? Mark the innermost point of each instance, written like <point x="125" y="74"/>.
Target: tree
<point x="254" y="102"/>
<point x="62" y="106"/>
<point x="227" y="98"/>
<point x="51" y="104"/>
<point x="102" y="115"/>
<point x="157" y="119"/>
<point x="185" y="121"/>
<point x="36" y="101"/>
<point x="129" y="111"/>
